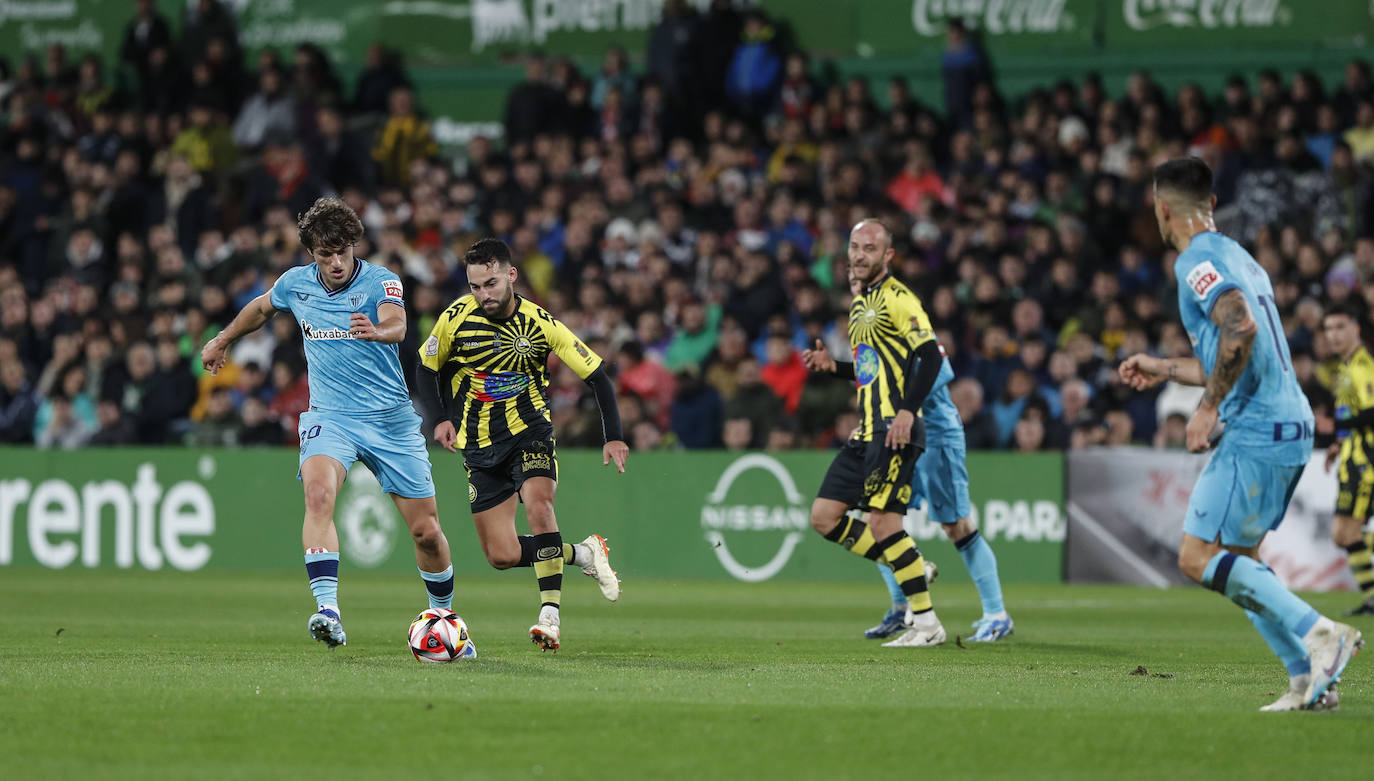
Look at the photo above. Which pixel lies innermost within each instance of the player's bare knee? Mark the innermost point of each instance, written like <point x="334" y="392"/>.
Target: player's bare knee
<point x="502" y="559"/>
<point x="960" y="529"/>
<point x="1346" y="531"/>
<point x="539" y="513"/>
<point x="429" y="537"/>
<point x="319" y="499"/>
<point x="823" y="521"/>
<point x="1192" y="564"/>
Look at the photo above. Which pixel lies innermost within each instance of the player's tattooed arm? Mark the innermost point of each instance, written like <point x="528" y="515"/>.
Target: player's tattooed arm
<point x="1236" y="338"/>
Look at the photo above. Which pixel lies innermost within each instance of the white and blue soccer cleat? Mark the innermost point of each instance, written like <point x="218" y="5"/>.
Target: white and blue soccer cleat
<point x="1331" y="646"/>
<point x="893" y="622"/>
<point x="469" y="651"/>
<point x="990" y="629"/>
<point x="326" y="627"/>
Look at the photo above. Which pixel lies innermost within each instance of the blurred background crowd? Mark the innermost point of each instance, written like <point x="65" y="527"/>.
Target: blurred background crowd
<point x="688" y="218"/>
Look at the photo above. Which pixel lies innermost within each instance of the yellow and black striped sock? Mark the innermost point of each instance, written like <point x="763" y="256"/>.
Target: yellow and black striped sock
<point x="854" y="536"/>
<point x="528" y="549"/>
<point x="1358" y="554"/>
<point x="548" y="567"/>
<point x="909" y="568"/>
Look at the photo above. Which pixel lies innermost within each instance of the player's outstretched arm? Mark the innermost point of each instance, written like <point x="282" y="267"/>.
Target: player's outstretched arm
<point x="253" y="317"/>
<point x="615" y="448"/>
<point x="1142" y="372"/>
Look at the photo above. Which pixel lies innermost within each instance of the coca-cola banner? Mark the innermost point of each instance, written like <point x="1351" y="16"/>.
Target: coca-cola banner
<point x="1125" y="510"/>
<point x="897" y="27"/>
<point x="1226" y="24"/>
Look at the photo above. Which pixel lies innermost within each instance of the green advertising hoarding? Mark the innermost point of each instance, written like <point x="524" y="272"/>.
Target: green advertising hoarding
<point x="1220" y="25"/>
<point x="672" y="515"/>
<point x="81" y="26"/>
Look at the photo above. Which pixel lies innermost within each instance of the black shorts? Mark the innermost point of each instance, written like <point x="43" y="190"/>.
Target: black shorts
<point x="872" y="476"/>
<point x="496" y="472"/>
<point x="1355" y="489"/>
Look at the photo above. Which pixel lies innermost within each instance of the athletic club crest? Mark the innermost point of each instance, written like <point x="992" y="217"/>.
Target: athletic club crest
<point x="355" y="300"/>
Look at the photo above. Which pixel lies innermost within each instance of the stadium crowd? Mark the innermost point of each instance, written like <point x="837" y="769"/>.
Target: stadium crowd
<point x="689" y="221"/>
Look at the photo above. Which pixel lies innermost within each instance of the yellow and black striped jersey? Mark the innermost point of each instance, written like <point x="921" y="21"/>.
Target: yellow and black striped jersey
<point x="886" y="324"/>
<point x="496" y="371"/>
<point x="1354" y="391"/>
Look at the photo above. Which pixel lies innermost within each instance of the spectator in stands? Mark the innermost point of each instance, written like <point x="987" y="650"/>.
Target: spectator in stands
<point x="113" y="428"/>
<point x="403" y="140"/>
<point x="148" y="30"/>
<point x="18" y="403"/>
<point x="269" y="113"/>
<point x="980" y="429"/>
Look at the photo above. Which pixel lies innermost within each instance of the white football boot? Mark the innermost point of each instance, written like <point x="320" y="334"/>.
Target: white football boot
<point x="923" y="631"/>
<point x="600" y="566"/>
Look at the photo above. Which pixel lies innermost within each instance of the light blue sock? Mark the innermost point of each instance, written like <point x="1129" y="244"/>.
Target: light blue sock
<point x="982" y="567"/>
<point x="323" y="571"/>
<point x="440" y="587"/>
<point x="1255" y="587"/>
<point x="1287" y="646"/>
<point x="893" y="587"/>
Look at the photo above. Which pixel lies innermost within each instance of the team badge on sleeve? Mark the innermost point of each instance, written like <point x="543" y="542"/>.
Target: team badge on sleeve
<point x="392" y="288"/>
<point x="1203" y="278"/>
<point x="432" y="346"/>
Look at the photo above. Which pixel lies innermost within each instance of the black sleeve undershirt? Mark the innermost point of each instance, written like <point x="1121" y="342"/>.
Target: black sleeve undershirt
<point x="433" y="401"/>
<point x="844" y="369"/>
<point x="604" y="391"/>
<point x="1363" y="420"/>
<point x="923" y="368"/>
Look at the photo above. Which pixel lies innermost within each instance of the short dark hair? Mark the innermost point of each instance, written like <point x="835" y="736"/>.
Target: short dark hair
<point x="1343" y="310"/>
<point x="330" y="224"/>
<point x="484" y="252"/>
<point x="1187" y="176"/>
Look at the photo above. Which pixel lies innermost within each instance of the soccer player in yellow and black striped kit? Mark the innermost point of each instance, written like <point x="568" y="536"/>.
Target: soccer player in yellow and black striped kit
<point x="896" y="362"/>
<point x="1354" y="428"/>
<point x="485" y="366"/>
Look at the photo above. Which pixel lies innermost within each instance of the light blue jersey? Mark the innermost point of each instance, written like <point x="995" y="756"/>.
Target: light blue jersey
<point x="345" y="374"/>
<point x="941" y="477"/>
<point x="943" y="426"/>
<point x="1266" y="413"/>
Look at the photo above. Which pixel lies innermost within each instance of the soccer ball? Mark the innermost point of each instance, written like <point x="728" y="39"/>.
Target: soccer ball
<point x="438" y="635"/>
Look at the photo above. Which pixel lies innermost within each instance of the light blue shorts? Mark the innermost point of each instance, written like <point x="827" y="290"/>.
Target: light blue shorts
<point x="388" y="442"/>
<point x="942" y="478"/>
<point x="1239" y="498"/>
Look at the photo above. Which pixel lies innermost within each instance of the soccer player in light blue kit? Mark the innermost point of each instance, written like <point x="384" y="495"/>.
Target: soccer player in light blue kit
<point x="1227" y="306"/>
<point x="352" y="316"/>
<point x="942" y="480"/>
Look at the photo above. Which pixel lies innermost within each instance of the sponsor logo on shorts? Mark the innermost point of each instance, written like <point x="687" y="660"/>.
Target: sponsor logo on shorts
<point x="1203" y="278"/>
<point x="531" y="462"/>
<point x="472" y="494"/>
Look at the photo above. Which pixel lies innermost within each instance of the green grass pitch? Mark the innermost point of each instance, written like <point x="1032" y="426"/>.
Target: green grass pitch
<point x="212" y="676"/>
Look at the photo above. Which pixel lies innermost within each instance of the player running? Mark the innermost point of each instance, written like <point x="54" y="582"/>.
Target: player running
<point x="1227" y="306"/>
<point x="896" y="361"/>
<point x="1354" y="428"/>
<point x="942" y="480"/>
<point x="485" y="366"/>
<point x="352" y="316"/>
